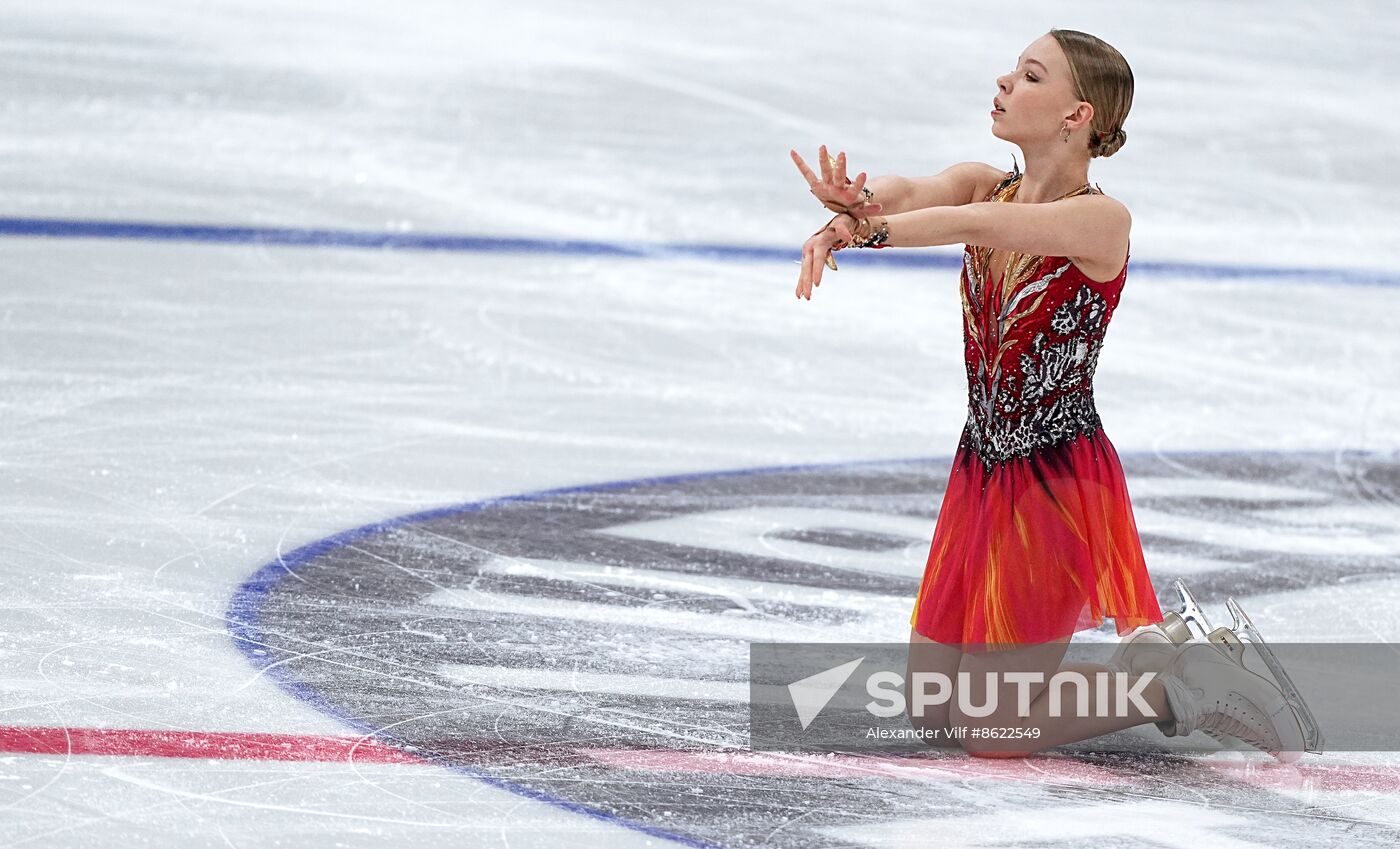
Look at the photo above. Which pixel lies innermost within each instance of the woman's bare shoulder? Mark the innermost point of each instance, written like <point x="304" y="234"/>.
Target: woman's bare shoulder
<point x="1119" y="208"/>
<point x="988" y="178"/>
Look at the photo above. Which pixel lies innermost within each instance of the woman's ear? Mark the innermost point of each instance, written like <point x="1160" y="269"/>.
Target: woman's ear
<point x="1082" y="116"/>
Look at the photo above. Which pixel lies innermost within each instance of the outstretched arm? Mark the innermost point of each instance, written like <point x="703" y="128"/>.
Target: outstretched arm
<point x="1084" y="226"/>
<point x="1079" y="227"/>
<point x="955" y="185"/>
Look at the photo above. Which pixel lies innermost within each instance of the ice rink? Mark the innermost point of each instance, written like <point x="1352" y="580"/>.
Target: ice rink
<point x="407" y="420"/>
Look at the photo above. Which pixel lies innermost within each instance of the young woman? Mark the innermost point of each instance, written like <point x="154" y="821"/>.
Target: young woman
<point x="1036" y="539"/>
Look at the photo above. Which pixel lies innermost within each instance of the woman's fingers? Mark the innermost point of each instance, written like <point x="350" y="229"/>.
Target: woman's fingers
<point x="801" y="272"/>
<point x="833" y="188"/>
<point x="821" y="260"/>
<point x="802" y="166"/>
<point x="828" y="248"/>
<point x="806" y="269"/>
<point x="852" y="194"/>
<point x="812" y="258"/>
<point x="817" y="253"/>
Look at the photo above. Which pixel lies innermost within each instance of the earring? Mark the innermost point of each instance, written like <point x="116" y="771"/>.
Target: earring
<point x="1065" y="130"/>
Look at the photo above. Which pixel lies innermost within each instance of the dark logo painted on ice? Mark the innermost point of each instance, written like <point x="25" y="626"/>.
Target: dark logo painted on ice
<point x="588" y="647"/>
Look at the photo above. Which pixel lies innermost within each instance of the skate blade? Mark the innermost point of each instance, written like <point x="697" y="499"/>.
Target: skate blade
<point x="1243" y="625"/>
<point x="1190" y="611"/>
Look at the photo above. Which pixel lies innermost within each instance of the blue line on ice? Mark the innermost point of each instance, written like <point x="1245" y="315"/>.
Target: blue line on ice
<point x="381" y="240"/>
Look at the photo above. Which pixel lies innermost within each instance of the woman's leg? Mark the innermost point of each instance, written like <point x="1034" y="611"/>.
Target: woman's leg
<point x="931" y="658"/>
<point x="1071" y="725"/>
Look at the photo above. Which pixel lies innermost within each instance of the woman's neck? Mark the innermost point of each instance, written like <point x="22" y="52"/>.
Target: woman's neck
<point x="1050" y="175"/>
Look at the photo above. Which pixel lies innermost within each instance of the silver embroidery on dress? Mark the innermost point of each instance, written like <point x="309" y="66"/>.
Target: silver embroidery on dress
<point x="1049" y="399"/>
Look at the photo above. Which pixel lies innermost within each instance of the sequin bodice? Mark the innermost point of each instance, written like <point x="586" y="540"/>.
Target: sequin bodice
<point x="1031" y="344"/>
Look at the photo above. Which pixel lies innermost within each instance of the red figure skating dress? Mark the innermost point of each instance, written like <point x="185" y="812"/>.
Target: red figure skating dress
<point x="1035" y="539"/>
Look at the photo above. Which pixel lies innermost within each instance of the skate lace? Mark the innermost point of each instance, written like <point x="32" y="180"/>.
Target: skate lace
<point x="1233" y="718"/>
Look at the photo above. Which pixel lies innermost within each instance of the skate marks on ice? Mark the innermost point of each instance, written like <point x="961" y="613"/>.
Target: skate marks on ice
<point x="589" y="646"/>
<point x="1312" y="539"/>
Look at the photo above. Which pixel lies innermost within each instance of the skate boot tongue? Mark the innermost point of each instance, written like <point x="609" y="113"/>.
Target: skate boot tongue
<point x="1185" y="707"/>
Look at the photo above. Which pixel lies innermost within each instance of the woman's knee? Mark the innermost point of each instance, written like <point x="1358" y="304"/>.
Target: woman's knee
<point x="988" y="731"/>
<point x="983" y="739"/>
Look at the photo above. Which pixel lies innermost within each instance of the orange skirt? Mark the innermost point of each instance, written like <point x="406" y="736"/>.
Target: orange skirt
<point x="1035" y="549"/>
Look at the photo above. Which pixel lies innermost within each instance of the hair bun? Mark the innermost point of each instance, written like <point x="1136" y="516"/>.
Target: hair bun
<point x="1105" y="144"/>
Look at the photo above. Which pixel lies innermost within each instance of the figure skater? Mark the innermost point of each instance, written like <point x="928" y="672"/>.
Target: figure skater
<point x="1036" y="539"/>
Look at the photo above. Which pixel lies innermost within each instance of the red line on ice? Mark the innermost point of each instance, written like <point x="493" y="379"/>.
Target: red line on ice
<point x="126" y="742"/>
<point x="954" y="767"/>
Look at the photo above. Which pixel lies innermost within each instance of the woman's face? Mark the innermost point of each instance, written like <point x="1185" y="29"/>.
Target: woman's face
<point x="1037" y="96"/>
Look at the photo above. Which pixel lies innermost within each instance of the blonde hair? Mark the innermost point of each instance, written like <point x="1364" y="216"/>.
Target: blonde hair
<point x="1101" y="77"/>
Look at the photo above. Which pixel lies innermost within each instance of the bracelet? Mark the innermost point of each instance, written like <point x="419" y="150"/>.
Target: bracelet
<point x="866" y="235"/>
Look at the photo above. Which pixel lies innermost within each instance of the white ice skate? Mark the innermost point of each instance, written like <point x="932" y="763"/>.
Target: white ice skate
<point x="1153" y="647"/>
<point x="1210" y="691"/>
<point x="1244" y="627"/>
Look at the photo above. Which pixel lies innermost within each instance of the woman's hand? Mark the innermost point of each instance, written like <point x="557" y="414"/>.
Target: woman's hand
<point x="819" y="246"/>
<point x="834" y="190"/>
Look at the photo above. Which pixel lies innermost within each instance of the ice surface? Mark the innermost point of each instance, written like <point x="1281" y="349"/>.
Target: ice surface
<point x="176" y="415"/>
